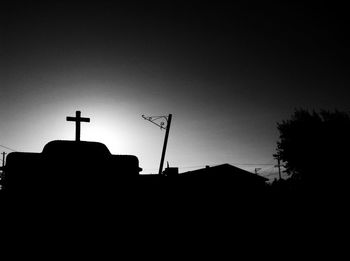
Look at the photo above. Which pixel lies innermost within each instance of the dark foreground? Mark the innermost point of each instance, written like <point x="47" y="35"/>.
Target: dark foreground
<point x="166" y="200"/>
<point x="166" y="218"/>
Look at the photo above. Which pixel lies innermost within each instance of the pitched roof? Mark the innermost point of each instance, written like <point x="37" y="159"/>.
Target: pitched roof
<point x="225" y="171"/>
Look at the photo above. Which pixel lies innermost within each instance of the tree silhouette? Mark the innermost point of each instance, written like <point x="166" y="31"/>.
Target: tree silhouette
<point x="314" y="146"/>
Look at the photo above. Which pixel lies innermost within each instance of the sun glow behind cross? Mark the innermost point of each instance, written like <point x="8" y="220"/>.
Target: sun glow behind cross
<point x="122" y="130"/>
<point x="103" y="127"/>
<point x="107" y="134"/>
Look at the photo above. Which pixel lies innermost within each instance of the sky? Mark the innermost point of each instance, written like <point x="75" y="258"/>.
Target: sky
<point x="227" y="72"/>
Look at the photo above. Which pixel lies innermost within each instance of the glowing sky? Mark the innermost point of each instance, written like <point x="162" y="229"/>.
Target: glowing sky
<point x="227" y="73"/>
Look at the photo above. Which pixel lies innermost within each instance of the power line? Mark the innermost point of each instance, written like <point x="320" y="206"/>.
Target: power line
<point x="213" y="165"/>
<point x="270" y="174"/>
<point x="191" y="167"/>
<point x="7" y="148"/>
<point x="252" y="164"/>
<point x="267" y="172"/>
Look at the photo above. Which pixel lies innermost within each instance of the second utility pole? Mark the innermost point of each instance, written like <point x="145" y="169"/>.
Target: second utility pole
<point x="3" y="159"/>
<point x="279" y="167"/>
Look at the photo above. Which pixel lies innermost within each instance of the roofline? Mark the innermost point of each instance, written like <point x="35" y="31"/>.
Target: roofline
<point x="225" y="164"/>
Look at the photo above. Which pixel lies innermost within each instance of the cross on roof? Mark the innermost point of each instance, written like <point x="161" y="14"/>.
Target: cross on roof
<point x="77" y="120"/>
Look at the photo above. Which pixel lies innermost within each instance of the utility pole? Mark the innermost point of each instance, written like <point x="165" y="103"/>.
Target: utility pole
<point x="278" y="158"/>
<point x="165" y="144"/>
<point x="168" y="119"/>
<point x="3" y="159"/>
<point x="279" y="166"/>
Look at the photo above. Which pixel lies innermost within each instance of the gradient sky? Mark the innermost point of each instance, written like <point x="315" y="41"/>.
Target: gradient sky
<point x="227" y="73"/>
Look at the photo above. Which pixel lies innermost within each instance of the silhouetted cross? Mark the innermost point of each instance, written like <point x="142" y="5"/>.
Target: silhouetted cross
<point x="77" y="120"/>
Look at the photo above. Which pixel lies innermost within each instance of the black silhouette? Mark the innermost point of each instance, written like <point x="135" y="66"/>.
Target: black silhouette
<point x="164" y="124"/>
<point x="313" y="147"/>
<point x="69" y="170"/>
<point x="62" y="164"/>
<point x="68" y="165"/>
<point x="227" y="177"/>
<point x="227" y="171"/>
<point x="77" y="119"/>
<point x="84" y="185"/>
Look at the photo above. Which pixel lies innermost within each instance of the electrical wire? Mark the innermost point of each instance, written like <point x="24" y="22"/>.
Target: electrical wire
<point x="7" y="148"/>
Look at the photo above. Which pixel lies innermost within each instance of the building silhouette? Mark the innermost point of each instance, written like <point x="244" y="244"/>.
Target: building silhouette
<point x="63" y="164"/>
